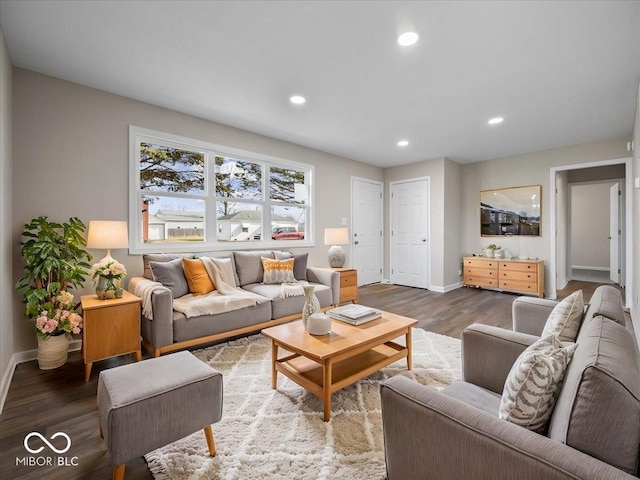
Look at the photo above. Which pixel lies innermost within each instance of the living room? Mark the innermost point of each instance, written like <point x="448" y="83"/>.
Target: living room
<point x="65" y="132"/>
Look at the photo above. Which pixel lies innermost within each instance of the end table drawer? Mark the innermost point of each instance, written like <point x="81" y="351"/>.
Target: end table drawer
<point x="348" y="279"/>
<point x="348" y="293"/>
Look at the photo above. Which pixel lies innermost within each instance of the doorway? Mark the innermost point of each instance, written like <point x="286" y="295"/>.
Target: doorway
<point x="595" y="236"/>
<point x="611" y="171"/>
<point x="409" y="241"/>
<point x="366" y="235"/>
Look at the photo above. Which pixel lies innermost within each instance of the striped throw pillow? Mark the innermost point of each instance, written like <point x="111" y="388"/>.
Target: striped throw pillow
<point x="277" y="271"/>
<point x="534" y="382"/>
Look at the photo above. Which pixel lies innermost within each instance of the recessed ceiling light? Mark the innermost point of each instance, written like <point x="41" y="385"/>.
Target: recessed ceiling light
<point x="298" y="99"/>
<point x="408" y="38"/>
<point x="403" y="143"/>
<point x="496" y="120"/>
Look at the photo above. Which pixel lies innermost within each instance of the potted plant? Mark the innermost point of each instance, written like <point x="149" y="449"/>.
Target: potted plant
<point x="492" y="250"/>
<point x="55" y="261"/>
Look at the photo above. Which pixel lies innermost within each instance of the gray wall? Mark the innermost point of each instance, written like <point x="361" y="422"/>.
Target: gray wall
<point x="7" y="347"/>
<point x="71" y="147"/>
<point x="590" y="225"/>
<point x="528" y="169"/>
<point x="634" y="262"/>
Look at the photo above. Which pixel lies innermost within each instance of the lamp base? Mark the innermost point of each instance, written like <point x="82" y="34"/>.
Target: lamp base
<point x="336" y="257"/>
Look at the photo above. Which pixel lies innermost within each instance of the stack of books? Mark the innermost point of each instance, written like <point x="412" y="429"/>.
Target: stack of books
<point x="354" y="314"/>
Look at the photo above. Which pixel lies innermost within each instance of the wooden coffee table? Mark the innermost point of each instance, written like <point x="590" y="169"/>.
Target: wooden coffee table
<point x="323" y="365"/>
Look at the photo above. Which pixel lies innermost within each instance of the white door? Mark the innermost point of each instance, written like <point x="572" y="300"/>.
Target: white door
<point x="410" y="233"/>
<point x="366" y="230"/>
<point x="614" y="233"/>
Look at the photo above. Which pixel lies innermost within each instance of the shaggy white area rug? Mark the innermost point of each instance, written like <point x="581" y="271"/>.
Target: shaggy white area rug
<point x="279" y="434"/>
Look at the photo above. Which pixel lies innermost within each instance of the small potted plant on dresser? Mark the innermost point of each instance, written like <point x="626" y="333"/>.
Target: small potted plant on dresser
<point x="54" y="262"/>
<point x="493" y="251"/>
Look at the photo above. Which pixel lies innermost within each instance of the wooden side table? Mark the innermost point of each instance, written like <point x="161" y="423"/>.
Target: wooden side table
<point x="348" y="284"/>
<point x="111" y="328"/>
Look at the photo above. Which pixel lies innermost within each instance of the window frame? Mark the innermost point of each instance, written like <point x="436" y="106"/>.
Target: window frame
<point x="138" y="135"/>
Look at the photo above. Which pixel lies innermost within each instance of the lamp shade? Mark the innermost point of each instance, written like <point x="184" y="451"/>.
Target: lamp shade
<point x="107" y="234"/>
<point x="336" y="236"/>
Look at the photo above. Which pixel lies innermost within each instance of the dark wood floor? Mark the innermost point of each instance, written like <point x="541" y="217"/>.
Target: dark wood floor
<point x="60" y="401"/>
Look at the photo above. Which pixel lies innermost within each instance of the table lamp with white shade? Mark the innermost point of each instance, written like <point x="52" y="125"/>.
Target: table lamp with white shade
<point x="336" y="237"/>
<point x="108" y="235"/>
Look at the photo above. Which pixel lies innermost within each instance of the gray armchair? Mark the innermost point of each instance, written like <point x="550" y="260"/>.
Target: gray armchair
<point x="594" y="432"/>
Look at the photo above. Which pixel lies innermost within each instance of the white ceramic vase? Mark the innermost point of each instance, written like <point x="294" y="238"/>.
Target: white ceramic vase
<point x="311" y="306"/>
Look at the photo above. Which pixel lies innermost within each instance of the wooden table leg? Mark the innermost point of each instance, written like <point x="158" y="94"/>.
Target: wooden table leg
<point x="87" y="371"/>
<point x="208" y="433"/>
<point x="409" y="359"/>
<point x="138" y="355"/>
<point x="326" y="388"/>
<point x="118" y="472"/>
<point x="274" y="359"/>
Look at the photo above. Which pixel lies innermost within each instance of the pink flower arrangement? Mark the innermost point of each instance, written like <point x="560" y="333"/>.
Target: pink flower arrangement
<point x="60" y="318"/>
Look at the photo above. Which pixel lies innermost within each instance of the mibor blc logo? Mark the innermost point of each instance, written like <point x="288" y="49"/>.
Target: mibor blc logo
<point x="36" y="447"/>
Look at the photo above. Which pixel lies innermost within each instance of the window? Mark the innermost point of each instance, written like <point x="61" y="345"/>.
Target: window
<point x="188" y="195"/>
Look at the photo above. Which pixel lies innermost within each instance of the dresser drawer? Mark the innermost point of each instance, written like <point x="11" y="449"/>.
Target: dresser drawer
<point x="518" y="267"/>
<point x="480" y="263"/>
<point x="518" y="275"/>
<point x="481" y="272"/>
<point x="528" y="287"/>
<point x="480" y="281"/>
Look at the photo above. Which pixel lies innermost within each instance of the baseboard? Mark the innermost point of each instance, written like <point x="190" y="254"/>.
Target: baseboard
<point x="21" y="357"/>
<point x="584" y="267"/>
<point x="448" y="288"/>
<point x="386" y="280"/>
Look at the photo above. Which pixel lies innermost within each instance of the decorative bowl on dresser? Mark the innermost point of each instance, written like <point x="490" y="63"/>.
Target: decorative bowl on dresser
<point x="511" y="275"/>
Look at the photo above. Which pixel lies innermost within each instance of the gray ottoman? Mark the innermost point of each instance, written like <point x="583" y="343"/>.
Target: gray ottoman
<point x="146" y="405"/>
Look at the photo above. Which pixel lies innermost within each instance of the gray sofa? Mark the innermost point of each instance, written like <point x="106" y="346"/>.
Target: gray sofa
<point x="170" y="330"/>
<point x="594" y="431"/>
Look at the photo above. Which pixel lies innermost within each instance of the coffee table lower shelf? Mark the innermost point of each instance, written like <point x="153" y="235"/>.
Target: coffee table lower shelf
<point x="322" y="379"/>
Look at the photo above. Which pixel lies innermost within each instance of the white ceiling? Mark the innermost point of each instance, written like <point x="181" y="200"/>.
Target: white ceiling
<point x="561" y="73"/>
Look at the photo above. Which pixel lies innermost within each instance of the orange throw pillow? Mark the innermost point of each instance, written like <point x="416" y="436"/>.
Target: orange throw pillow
<point x="197" y="277"/>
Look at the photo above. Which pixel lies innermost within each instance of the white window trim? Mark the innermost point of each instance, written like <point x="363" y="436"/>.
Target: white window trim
<point x="137" y="246"/>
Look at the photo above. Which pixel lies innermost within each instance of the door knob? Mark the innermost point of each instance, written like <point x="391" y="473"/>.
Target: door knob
<point x="424" y="239"/>
<point x="356" y="242"/>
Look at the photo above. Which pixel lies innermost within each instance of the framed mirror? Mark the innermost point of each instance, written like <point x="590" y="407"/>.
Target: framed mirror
<point x="510" y="211"/>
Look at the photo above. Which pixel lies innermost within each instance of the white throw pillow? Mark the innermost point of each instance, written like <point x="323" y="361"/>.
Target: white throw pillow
<point x="565" y="318"/>
<point x="533" y="384"/>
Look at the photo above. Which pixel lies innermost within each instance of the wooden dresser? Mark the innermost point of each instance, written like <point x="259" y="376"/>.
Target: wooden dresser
<point x="512" y="275"/>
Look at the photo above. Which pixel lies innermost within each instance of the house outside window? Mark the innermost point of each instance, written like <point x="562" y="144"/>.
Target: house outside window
<point x="188" y="195"/>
